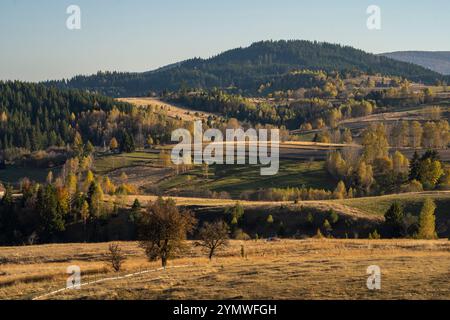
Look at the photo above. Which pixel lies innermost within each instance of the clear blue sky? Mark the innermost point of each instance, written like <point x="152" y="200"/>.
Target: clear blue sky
<point x="139" y="35"/>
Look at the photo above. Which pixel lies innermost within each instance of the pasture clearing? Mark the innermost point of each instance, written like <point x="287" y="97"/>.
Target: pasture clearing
<point x="285" y="269"/>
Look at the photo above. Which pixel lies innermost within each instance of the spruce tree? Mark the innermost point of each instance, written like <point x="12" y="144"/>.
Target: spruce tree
<point x="414" y="167"/>
<point x="394" y="218"/>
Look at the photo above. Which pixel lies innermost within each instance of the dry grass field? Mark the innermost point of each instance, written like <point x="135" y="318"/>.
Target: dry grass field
<point x="170" y="110"/>
<point x="287" y="269"/>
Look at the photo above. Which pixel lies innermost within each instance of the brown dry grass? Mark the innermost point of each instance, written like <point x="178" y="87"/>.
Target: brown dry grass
<point x="288" y="269"/>
<point x="170" y="110"/>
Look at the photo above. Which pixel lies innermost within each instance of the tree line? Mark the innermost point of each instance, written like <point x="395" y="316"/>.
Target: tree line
<point x="375" y="171"/>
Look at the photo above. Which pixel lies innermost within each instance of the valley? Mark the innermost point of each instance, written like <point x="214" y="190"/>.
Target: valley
<point x="87" y="179"/>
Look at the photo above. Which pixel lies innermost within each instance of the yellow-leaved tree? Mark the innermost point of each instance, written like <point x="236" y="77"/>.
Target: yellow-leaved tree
<point x="427" y="221"/>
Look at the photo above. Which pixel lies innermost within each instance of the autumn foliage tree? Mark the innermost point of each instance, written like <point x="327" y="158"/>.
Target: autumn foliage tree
<point x="163" y="229"/>
<point x="113" y="144"/>
<point x="427" y="221"/>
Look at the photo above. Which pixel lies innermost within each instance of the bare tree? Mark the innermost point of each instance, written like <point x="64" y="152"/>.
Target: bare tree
<point x="116" y="256"/>
<point x="163" y="230"/>
<point x="213" y="237"/>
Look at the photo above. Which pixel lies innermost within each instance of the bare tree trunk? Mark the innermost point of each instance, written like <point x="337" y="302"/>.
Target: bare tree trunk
<point x="211" y="253"/>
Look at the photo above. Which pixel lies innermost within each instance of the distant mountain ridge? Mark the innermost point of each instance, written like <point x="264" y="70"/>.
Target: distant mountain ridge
<point x="438" y="61"/>
<point x="246" y="69"/>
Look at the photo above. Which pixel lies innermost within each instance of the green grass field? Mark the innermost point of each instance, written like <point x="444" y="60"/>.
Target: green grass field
<point x="236" y="179"/>
<point x="411" y="203"/>
<point x="105" y="164"/>
<point x="308" y="137"/>
<point x="13" y="174"/>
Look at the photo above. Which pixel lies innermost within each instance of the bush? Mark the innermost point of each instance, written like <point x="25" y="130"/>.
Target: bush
<point x="238" y="234"/>
<point x="412" y="186"/>
<point x="374" y="235"/>
<point x="115" y="257"/>
<point x="319" y="234"/>
<point x="333" y="217"/>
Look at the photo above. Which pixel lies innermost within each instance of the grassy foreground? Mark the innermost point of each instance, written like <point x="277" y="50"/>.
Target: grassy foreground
<point x="288" y="269"/>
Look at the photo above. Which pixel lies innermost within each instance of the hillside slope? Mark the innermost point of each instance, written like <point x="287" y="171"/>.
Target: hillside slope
<point x="438" y="61"/>
<point x="246" y="69"/>
<point x="35" y="117"/>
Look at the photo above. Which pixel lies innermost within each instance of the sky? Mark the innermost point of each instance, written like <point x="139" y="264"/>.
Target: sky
<point x="141" y="35"/>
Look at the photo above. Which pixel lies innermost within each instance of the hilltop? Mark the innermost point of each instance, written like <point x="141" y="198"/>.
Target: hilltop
<point x="246" y="69"/>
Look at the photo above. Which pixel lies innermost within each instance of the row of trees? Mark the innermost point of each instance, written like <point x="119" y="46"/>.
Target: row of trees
<point x="310" y="112"/>
<point x="287" y="194"/>
<point x="375" y="171"/>
<point x="163" y="228"/>
<point x="401" y="224"/>
<point x="432" y="134"/>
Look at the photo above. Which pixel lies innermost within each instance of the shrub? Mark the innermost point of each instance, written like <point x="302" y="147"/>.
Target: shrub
<point x="333" y="217"/>
<point x="319" y="234"/>
<point x="238" y="234"/>
<point x="327" y="227"/>
<point x="115" y="257"/>
<point x="412" y="186"/>
<point x="374" y="235"/>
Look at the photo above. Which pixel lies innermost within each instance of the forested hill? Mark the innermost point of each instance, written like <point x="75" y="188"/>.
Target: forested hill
<point x="34" y="117"/>
<point x="246" y="69"/>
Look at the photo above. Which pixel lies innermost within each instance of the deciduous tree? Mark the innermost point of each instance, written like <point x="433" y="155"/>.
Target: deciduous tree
<point x="163" y="230"/>
<point x="213" y="237"/>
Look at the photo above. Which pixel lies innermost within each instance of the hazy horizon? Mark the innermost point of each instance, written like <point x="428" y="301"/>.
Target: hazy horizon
<point x="139" y="35"/>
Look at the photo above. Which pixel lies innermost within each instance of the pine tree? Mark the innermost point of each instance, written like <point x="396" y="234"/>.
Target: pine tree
<point x="394" y="218"/>
<point x="51" y="217"/>
<point x="8" y="217"/>
<point x="414" y="167"/>
<point x="127" y="143"/>
<point x="327" y="227"/>
<point x="135" y="211"/>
